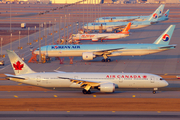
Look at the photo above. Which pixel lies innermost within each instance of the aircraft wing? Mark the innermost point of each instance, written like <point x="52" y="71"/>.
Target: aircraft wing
<point x="119" y="27"/>
<point x="9" y="76"/>
<point x="128" y="20"/>
<point x="86" y="84"/>
<point x="100" y="38"/>
<point x="107" y="51"/>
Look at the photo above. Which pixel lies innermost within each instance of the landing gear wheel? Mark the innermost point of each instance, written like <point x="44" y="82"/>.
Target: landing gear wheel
<point x="106" y="60"/>
<point x="103" y="60"/>
<point x="154" y="92"/>
<point x="86" y="92"/>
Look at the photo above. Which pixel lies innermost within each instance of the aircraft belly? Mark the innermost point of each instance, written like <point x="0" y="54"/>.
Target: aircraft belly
<point x="62" y="53"/>
<point x="134" y="52"/>
<point x="137" y="84"/>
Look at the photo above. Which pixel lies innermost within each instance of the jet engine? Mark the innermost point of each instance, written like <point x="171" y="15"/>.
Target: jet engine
<point x="107" y="87"/>
<point x="88" y="56"/>
<point x="94" y="39"/>
<point x="109" y="29"/>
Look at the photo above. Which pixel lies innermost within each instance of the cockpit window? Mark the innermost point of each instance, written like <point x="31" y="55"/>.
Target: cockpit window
<point x="161" y="79"/>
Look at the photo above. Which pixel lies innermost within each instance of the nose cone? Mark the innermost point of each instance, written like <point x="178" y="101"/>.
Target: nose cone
<point x="164" y="83"/>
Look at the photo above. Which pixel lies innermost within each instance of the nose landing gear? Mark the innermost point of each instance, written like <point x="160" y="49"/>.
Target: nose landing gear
<point x="154" y="90"/>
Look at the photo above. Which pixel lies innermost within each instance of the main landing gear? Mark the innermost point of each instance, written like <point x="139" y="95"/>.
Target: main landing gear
<point x="106" y="60"/>
<point x="86" y="92"/>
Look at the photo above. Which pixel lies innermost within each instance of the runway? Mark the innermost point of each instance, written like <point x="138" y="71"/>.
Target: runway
<point x="95" y="94"/>
<point x="81" y="115"/>
<point x="66" y="103"/>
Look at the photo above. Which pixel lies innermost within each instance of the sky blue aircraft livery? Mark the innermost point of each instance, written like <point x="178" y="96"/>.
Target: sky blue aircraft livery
<point x="110" y="26"/>
<point x="91" y="51"/>
<point x="128" y="18"/>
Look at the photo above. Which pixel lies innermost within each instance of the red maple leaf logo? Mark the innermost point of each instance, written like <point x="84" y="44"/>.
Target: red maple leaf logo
<point x="18" y="66"/>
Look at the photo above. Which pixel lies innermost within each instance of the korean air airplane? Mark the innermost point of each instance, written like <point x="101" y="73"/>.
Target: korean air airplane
<point x="105" y="82"/>
<point x="102" y="36"/>
<point x="91" y="51"/>
<point x="128" y="18"/>
<point x="164" y="16"/>
<point x="109" y="26"/>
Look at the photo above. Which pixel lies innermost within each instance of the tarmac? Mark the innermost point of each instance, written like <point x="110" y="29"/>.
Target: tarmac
<point x="166" y="62"/>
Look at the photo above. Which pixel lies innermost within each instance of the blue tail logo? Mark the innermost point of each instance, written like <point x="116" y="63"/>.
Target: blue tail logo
<point x="165" y="37"/>
<point x="155" y="15"/>
<point x="166" y="15"/>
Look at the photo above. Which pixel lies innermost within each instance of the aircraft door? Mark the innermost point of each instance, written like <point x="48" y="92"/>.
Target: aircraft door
<point x="120" y="80"/>
<point x="152" y="79"/>
<point x="38" y="79"/>
<point x="75" y="77"/>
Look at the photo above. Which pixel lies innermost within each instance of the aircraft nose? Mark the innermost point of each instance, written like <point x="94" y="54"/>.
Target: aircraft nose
<point x="165" y="83"/>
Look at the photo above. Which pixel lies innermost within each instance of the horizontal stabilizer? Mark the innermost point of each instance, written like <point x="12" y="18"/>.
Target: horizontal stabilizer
<point x="169" y="46"/>
<point x="9" y="76"/>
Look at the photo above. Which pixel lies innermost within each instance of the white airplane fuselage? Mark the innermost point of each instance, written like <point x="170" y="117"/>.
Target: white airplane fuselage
<point x="121" y="80"/>
<point x="95" y="37"/>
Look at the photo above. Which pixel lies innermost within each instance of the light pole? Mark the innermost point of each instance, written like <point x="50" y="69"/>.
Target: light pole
<point x="67" y="27"/>
<point x="64" y="29"/>
<point x="49" y="27"/>
<point x="60" y="29"/>
<point x="35" y="34"/>
<point x="39" y="41"/>
<point x="87" y="15"/>
<point x="83" y="15"/>
<point x="11" y="42"/>
<point x="19" y="39"/>
<point x="45" y="33"/>
<point x="1" y="46"/>
<point x="10" y="17"/>
<point x="28" y="36"/>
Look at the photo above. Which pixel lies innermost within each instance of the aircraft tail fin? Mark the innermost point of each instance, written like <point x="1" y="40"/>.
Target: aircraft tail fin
<point x="154" y="17"/>
<point x="18" y="65"/>
<point x="161" y="8"/>
<point x="166" y="14"/>
<point x="126" y="29"/>
<point x="165" y="37"/>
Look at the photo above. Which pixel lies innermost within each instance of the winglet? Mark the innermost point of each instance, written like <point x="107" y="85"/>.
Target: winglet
<point x="126" y="29"/>
<point x="18" y="65"/>
<point x="165" y="37"/>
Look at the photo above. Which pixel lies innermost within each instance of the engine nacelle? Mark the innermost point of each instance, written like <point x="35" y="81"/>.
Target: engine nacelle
<point x="109" y="29"/>
<point x="88" y="56"/>
<point x="107" y="87"/>
<point x="94" y="39"/>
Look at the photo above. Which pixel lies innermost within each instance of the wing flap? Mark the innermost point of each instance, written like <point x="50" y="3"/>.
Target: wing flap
<point x="107" y="51"/>
<point x="83" y="83"/>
